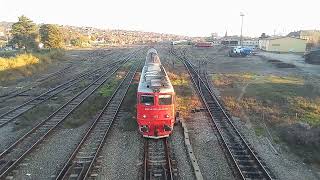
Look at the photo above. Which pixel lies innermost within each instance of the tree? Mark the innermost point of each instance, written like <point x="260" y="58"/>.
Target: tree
<point x="24" y="33"/>
<point x="80" y="41"/>
<point x="51" y="36"/>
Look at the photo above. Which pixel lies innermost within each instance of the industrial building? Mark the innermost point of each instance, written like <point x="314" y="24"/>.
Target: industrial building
<point x="309" y="35"/>
<point x="253" y="43"/>
<point x="230" y="41"/>
<point x="283" y="44"/>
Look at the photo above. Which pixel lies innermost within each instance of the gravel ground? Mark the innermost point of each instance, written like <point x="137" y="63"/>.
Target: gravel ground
<point x="8" y="134"/>
<point x="56" y="149"/>
<point x="50" y="155"/>
<point x="12" y="131"/>
<point x="284" y="165"/>
<point x="295" y="59"/>
<point x="122" y="154"/>
<point x="185" y="170"/>
<point x="211" y="158"/>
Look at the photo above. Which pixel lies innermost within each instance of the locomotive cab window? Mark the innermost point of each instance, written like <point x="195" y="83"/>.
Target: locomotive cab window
<point x="147" y="100"/>
<point x="165" y="99"/>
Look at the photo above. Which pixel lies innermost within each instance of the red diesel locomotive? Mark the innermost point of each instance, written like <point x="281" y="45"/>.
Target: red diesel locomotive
<point x="155" y="99"/>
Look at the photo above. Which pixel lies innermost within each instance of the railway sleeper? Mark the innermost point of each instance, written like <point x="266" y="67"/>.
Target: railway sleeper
<point x="157" y="162"/>
<point x="236" y="147"/>
<point x="243" y="157"/>
<point x="249" y="168"/>
<point x="247" y="162"/>
<point x="81" y="162"/>
<point x="240" y="152"/>
<point x="252" y="174"/>
<point x="3" y="120"/>
<point x="25" y="95"/>
<point x="11" y="116"/>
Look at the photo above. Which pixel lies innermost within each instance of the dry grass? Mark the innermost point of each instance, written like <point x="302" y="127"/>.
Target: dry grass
<point x="185" y="100"/>
<point x="280" y="99"/>
<point x="289" y="105"/>
<point x="251" y="106"/>
<point x="23" y="65"/>
<point x="230" y="80"/>
<point x="284" y="80"/>
<point x="307" y="110"/>
<point x="18" y="61"/>
<point x="178" y="80"/>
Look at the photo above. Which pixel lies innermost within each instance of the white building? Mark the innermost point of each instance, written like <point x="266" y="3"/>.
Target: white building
<point x="250" y="43"/>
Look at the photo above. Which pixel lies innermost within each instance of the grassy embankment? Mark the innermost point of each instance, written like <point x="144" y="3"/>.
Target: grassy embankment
<point x="17" y="65"/>
<point x="290" y="105"/>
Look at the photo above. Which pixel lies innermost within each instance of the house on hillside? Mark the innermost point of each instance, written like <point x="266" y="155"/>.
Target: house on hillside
<point x="283" y="44"/>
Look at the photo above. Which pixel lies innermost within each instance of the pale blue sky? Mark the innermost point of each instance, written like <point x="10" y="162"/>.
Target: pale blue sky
<point x="193" y="18"/>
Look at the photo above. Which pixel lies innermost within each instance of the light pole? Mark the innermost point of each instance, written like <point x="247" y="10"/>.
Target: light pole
<point x="241" y="14"/>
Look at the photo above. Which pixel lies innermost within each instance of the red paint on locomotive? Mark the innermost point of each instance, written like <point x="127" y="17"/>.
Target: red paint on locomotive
<point x="155" y="99"/>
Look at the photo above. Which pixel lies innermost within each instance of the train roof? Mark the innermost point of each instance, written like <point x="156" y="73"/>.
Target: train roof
<point x="152" y="57"/>
<point x="153" y="76"/>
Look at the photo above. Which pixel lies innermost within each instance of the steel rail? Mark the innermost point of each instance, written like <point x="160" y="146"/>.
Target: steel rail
<point x="48" y="126"/>
<point x="202" y="88"/>
<point x="81" y="166"/>
<point x="162" y="167"/>
<point x="12" y="114"/>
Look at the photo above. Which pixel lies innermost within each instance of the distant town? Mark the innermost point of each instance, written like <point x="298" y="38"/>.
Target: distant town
<point x="97" y="37"/>
<point x="297" y="41"/>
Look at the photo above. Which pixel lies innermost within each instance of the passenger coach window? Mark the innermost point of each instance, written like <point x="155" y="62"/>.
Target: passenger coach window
<point x="165" y="99"/>
<point x="147" y="100"/>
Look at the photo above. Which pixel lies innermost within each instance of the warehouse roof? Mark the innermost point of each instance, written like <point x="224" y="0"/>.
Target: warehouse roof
<point x="281" y="37"/>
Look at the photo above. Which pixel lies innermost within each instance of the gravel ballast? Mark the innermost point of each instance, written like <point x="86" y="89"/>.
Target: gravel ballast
<point x="50" y="155"/>
<point x="211" y="158"/>
<point x="284" y="165"/>
<point x="122" y="154"/>
<point x="179" y="151"/>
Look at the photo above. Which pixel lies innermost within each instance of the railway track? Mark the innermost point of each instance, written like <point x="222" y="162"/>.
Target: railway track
<point x="17" y="111"/>
<point x="11" y="157"/>
<point x="22" y="91"/>
<point x="245" y="161"/>
<point x="83" y="163"/>
<point x="157" y="160"/>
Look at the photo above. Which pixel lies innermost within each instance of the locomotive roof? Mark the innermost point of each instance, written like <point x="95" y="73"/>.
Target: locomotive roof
<point x="154" y="77"/>
<point x="152" y="57"/>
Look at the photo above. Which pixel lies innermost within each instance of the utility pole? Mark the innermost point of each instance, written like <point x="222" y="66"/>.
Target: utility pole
<point x="241" y="14"/>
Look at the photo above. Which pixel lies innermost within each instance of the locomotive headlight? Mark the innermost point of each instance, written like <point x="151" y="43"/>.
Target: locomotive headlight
<point x="144" y="116"/>
<point x="167" y="116"/>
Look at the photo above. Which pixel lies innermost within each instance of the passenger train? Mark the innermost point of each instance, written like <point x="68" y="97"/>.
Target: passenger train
<point x="155" y="99"/>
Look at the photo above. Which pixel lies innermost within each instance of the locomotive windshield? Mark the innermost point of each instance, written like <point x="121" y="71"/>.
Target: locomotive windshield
<point x="147" y="100"/>
<point x="165" y="99"/>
